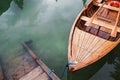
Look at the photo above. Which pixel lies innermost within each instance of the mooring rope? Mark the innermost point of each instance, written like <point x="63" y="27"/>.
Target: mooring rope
<point x="65" y="68"/>
<point x="49" y="74"/>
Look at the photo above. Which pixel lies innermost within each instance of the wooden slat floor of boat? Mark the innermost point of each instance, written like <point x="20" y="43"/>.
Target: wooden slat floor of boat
<point x="83" y="45"/>
<point x="87" y="44"/>
<point x="76" y="37"/>
<point x="80" y="34"/>
<point x="95" y="45"/>
<point x="89" y="49"/>
<point x="81" y="40"/>
<point x="36" y="74"/>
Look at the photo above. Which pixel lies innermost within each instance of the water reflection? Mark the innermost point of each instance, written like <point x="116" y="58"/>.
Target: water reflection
<point x="116" y="74"/>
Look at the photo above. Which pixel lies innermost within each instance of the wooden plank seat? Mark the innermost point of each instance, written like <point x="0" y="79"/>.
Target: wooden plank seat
<point x="109" y="7"/>
<point x="104" y="24"/>
<point x="99" y="22"/>
<point x="85" y="18"/>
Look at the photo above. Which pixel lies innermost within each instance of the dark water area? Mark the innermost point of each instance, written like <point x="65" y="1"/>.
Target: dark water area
<point x="48" y="24"/>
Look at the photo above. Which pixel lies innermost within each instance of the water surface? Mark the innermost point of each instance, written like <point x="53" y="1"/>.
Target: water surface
<point x="48" y="24"/>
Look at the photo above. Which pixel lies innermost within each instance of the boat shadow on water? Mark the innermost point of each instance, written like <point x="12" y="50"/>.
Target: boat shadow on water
<point x="112" y="58"/>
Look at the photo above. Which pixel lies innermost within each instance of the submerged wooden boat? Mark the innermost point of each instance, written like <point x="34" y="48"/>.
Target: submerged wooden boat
<point x="95" y="32"/>
<point x="26" y="66"/>
<point x="41" y="72"/>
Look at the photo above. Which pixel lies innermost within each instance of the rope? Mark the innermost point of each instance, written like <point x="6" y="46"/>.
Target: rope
<point x="50" y="74"/>
<point x="68" y="63"/>
<point x="65" y="68"/>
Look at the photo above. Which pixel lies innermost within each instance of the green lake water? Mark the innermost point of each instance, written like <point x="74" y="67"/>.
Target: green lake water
<point x="48" y="24"/>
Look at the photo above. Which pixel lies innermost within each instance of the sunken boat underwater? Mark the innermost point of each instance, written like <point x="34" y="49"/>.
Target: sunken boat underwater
<point x="95" y="32"/>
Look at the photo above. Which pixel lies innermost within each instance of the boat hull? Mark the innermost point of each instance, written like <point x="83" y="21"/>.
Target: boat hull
<point x="85" y="46"/>
<point x="88" y="48"/>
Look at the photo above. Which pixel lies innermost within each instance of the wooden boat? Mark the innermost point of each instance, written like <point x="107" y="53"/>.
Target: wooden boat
<point x="41" y="72"/>
<point x="26" y="66"/>
<point x="95" y="32"/>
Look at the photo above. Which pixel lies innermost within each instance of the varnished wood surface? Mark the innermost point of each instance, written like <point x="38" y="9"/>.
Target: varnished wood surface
<point x="99" y="22"/>
<point x="90" y="48"/>
<point x="88" y="44"/>
<point x="109" y="7"/>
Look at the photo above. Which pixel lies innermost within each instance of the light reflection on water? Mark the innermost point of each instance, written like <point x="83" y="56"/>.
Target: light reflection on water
<point x="48" y="24"/>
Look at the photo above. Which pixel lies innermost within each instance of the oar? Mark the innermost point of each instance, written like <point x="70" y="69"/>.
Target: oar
<point x="114" y="30"/>
<point x="90" y="21"/>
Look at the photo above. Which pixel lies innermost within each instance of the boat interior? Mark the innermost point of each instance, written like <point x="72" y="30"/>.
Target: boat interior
<point x="99" y="18"/>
